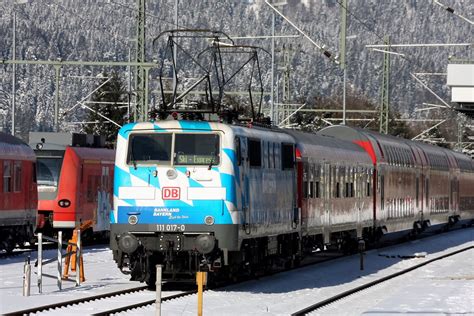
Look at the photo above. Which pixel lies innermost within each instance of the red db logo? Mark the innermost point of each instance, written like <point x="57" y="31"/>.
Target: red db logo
<point x="170" y="193"/>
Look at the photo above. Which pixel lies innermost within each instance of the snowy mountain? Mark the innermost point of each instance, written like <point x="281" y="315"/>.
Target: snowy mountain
<point x="104" y="30"/>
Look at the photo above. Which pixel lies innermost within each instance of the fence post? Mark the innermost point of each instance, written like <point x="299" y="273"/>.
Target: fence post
<point x="158" y="290"/>
<point x="40" y="263"/>
<point x="78" y="258"/>
<point x="27" y="277"/>
<point x="60" y="259"/>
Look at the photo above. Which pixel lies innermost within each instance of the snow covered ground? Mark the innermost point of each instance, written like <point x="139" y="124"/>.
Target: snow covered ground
<point x="441" y="287"/>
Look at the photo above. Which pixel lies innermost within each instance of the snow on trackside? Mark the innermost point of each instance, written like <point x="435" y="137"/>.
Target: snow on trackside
<point x="445" y="286"/>
<point x="101" y="273"/>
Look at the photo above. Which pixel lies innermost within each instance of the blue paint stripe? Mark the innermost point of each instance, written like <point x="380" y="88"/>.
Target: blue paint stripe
<point x="195" y="125"/>
<point x="122" y="179"/>
<point x="126" y="129"/>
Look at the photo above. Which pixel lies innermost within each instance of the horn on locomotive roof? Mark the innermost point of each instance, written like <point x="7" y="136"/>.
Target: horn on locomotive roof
<point x="213" y="75"/>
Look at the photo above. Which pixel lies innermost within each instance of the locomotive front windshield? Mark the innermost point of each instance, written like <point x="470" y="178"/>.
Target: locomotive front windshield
<point x="150" y="148"/>
<point x="196" y="149"/>
<point x="48" y="170"/>
<point x="189" y="149"/>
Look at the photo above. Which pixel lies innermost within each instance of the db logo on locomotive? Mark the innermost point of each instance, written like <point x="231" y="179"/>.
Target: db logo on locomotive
<point x="170" y="193"/>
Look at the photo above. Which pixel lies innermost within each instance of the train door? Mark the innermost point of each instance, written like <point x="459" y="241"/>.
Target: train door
<point x="382" y="194"/>
<point x="328" y="198"/>
<point x="103" y="201"/>
<point x="455" y="194"/>
<point x="299" y="190"/>
<point x="427" y="195"/>
<point x="243" y="165"/>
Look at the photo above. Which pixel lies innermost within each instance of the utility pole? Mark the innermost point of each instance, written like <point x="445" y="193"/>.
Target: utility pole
<point x="14" y="73"/>
<point x="141" y="110"/>
<point x="272" y="104"/>
<point x="274" y="117"/>
<point x="286" y="69"/>
<point x="342" y="56"/>
<point x="57" y="71"/>
<point x="175" y="49"/>
<point x="384" y="104"/>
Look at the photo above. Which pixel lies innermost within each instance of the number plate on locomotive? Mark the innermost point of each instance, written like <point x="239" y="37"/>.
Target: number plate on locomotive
<point x="170" y="228"/>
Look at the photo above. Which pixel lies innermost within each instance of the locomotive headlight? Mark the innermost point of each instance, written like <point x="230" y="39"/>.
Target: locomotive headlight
<point x="209" y="220"/>
<point x="171" y="174"/>
<point x="132" y="219"/>
<point x="64" y="203"/>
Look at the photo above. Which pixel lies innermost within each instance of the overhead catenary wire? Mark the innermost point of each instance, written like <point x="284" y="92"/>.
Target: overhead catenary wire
<point x="380" y="37"/>
<point x="451" y="10"/>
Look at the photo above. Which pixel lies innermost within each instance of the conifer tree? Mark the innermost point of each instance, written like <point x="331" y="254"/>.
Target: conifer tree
<point x="112" y="92"/>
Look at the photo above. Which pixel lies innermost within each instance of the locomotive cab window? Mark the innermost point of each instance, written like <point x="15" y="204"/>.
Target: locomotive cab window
<point x="151" y="148"/>
<point x="196" y="149"/>
<point x="48" y="170"/>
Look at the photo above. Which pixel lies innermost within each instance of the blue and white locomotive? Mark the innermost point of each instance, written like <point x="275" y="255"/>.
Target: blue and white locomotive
<point x="189" y="193"/>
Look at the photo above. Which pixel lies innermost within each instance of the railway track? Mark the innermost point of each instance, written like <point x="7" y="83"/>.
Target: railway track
<point x="85" y="300"/>
<point x="5" y="255"/>
<point x="361" y="288"/>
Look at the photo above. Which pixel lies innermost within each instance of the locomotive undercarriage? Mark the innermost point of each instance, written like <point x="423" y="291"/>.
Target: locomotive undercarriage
<point x="181" y="256"/>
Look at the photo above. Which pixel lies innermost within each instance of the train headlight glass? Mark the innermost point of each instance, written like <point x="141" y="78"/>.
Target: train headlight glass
<point x="64" y="203"/>
<point x="209" y="220"/>
<point x="171" y="174"/>
<point x="132" y="219"/>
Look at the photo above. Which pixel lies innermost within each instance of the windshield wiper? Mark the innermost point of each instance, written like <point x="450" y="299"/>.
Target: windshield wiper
<point x="210" y="164"/>
<point x="133" y="160"/>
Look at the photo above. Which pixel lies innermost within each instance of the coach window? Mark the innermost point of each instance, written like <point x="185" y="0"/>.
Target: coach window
<point x="7" y="176"/>
<point x="17" y="176"/>
<point x="311" y="182"/>
<point x="255" y="153"/>
<point x="34" y="173"/>
<point x="264" y="154"/>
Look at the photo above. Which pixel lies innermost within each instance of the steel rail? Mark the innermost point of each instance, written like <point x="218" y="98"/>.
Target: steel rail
<point x="360" y="288"/>
<point x="143" y="304"/>
<point x="76" y="301"/>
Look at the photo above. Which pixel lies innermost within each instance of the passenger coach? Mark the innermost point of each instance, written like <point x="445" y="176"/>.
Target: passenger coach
<point x="18" y="195"/>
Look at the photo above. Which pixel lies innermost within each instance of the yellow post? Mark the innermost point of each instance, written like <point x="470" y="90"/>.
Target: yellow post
<point x="201" y="281"/>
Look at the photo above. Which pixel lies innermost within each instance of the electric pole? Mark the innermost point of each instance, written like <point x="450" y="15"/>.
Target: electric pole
<point x="342" y="56"/>
<point x="141" y="74"/>
<point x="384" y="104"/>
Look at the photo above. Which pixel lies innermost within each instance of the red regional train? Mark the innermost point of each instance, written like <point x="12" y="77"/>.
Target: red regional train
<point x="18" y="194"/>
<point x="75" y="182"/>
